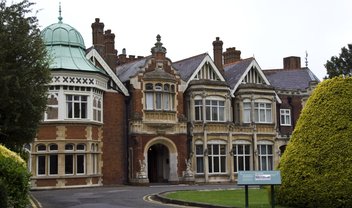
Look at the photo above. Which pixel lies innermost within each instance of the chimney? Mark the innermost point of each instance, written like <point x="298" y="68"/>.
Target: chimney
<point x="292" y="62"/>
<point x="217" y="50"/>
<point x="98" y="36"/>
<point x="110" y="51"/>
<point x="231" y="55"/>
<point x="122" y="57"/>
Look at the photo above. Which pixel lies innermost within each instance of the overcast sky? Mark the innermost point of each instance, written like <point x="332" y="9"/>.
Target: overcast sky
<point x="266" y="29"/>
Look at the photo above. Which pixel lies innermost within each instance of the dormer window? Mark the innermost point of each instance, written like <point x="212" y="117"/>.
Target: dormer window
<point x="159" y="96"/>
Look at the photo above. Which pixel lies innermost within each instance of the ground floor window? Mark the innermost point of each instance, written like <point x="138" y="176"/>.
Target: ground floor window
<point x="199" y="158"/>
<point x="265" y="156"/>
<point x="217" y="158"/>
<point x="74" y="159"/>
<point x="241" y="157"/>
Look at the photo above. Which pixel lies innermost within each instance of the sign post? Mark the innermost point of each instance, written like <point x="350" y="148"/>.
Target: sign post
<point x="247" y="178"/>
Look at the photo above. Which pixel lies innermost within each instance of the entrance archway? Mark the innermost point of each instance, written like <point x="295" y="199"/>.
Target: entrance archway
<point x="158" y="163"/>
<point x="161" y="156"/>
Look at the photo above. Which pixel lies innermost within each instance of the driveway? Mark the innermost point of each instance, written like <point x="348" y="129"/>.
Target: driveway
<point x="112" y="197"/>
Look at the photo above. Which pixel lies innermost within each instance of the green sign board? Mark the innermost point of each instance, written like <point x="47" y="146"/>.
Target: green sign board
<point x="259" y="178"/>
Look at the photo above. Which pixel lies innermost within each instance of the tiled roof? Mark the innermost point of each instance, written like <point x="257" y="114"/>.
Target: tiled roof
<point x="124" y="72"/>
<point x="186" y="67"/>
<point x="293" y="79"/>
<point x="233" y="72"/>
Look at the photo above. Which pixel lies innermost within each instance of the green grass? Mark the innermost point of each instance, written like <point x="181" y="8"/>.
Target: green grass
<point x="233" y="198"/>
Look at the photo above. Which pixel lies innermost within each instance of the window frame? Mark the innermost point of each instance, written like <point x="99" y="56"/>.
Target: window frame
<point x="285" y="117"/>
<point x="159" y="96"/>
<point x="216" y="155"/>
<point x="72" y="104"/>
<point x="199" y="154"/>
<point x="267" y="156"/>
<point x="236" y="146"/>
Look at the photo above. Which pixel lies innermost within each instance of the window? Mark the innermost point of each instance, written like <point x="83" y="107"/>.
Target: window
<point x="97" y="108"/>
<point x="199" y="158"/>
<point x="215" y="110"/>
<point x="52" y="109"/>
<point x="69" y="159"/>
<point x="53" y="159"/>
<point x="262" y="112"/>
<point x="265" y="156"/>
<point x="159" y="97"/>
<point x="285" y="117"/>
<point x="198" y="110"/>
<point x="76" y="106"/>
<point x="241" y="157"/>
<point x="80" y="158"/>
<point x="217" y="158"/>
<point x="247" y="112"/>
<point x="41" y="160"/>
<point x="94" y="149"/>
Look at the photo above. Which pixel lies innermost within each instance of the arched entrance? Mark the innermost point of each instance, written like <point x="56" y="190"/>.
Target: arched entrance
<point x="158" y="163"/>
<point x="161" y="156"/>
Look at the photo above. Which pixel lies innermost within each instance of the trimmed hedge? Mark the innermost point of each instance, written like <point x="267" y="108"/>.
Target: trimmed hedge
<point x="316" y="167"/>
<point x="14" y="180"/>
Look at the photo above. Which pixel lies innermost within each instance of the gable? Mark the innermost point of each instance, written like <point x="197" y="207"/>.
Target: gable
<point x="95" y="56"/>
<point x="206" y="70"/>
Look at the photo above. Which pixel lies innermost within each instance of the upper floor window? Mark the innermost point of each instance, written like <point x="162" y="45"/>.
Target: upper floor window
<point x="97" y="108"/>
<point x="262" y="112"/>
<point x="214" y="109"/>
<point x="198" y="110"/>
<point x="52" y="109"/>
<point x="76" y="106"/>
<point x="247" y="112"/>
<point x="159" y="96"/>
<point x="285" y="117"/>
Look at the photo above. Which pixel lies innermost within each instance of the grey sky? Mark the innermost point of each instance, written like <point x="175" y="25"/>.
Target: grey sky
<point x="267" y="29"/>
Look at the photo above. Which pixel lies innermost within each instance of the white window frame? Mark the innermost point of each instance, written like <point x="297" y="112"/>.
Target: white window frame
<point x="199" y="155"/>
<point x="161" y="97"/>
<point x="51" y="153"/>
<point x="236" y="146"/>
<point x="54" y="94"/>
<point x="80" y="102"/>
<point x="214" y="106"/>
<point x="217" y="157"/>
<point x="266" y="155"/>
<point x="198" y="108"/>
<point x="285" y="117"/>
<point x="247" y="108"/>
<point x="265" y="107"/>
<point x="42" y="154"/>
<point x="97" y="110"/>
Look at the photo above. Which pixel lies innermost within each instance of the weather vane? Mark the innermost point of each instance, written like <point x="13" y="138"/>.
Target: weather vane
<point x="60" y="17"/>
<point x="306" y="59"/>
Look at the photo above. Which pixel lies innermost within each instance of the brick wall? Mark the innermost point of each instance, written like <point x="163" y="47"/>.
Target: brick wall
<point x="114" y="146"/>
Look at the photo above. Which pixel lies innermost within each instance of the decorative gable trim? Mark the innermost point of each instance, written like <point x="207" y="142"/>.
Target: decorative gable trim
<point x="254" y="65"/>
<point x="206" y="60"/>
<point x="94" y="54"/>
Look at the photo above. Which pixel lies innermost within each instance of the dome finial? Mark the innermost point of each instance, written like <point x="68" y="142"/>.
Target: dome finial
<point x="60" y="17"/>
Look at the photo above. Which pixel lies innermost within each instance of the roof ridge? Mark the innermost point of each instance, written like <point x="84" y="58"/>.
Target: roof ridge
<point x="191" y="57"/>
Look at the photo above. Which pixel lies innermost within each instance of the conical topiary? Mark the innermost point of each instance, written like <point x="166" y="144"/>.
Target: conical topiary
<point x="316" y="167"/>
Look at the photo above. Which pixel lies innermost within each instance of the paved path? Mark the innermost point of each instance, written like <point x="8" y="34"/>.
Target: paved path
<point x="112" y="197"/>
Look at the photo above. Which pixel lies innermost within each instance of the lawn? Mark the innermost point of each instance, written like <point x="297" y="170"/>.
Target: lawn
<point x="233" y="198"/>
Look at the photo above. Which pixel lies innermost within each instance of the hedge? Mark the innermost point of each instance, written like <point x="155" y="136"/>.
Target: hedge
<point x="14" y="180"/>
<point x="316" y="167"/>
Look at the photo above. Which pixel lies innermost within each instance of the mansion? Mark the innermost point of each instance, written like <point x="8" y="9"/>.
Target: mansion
<point x="121" y="119"/>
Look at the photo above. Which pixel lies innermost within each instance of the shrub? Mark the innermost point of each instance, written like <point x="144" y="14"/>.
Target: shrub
<point x="14" y="179"/>
<point x="316" y="167"/>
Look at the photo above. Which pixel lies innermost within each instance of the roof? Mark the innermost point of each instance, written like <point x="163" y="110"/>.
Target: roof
<point x="186" y="67"/>
<point x="233" y="72"/>
<point x="128" y="70"/>
<point x="66" y="48"/>
<point x="292" y="79"/>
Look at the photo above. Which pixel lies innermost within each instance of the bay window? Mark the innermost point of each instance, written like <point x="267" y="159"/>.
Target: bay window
<point x="76" y="106"/>
<point x="159" y="96"/>
<point x="262" y="112"/>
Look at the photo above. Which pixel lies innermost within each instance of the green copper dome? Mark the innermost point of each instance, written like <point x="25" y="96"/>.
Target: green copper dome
<point x="62" y="34"/>
<point x="66" y="48"/>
